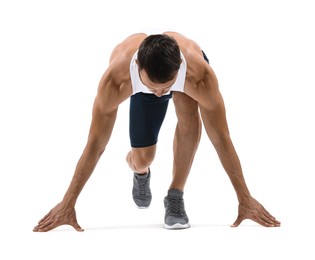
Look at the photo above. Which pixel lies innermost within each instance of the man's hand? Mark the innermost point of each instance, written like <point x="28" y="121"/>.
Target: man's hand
<point x="252" y="209"/>
<point x="59" y="215"/>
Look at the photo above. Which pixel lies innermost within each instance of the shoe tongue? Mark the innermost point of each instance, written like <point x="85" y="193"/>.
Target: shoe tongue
<point x="175" y="193"/>
<point x="142" y="176"/>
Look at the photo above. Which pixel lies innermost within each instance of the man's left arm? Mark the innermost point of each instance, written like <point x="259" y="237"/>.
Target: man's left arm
<point x="214" y="118"/>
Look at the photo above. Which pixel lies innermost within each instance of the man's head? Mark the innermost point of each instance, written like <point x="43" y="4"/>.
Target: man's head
<point x="159" y="56"/>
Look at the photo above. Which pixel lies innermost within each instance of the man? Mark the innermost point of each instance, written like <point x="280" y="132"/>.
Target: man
<point x="151" y="70"/>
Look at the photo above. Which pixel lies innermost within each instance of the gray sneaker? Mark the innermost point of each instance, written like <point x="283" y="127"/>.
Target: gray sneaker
<point x="141" y="192"/>
<point x="175" y="215"/>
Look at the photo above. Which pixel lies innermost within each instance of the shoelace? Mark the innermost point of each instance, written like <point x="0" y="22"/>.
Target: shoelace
<point x="175" y="205"/>
<point x="142" y="186"/>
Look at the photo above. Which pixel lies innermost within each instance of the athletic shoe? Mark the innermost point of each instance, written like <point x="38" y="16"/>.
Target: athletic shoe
<point x="141" y="192"/>
<point x="175" y="215"/>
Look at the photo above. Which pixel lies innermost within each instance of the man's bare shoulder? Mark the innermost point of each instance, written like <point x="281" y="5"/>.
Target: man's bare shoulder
<point x="190" y="49"/>
<point x="119" y="64"/>
<point x="127" y="48"/>
<point x="186" y="44"/>
<point x="115" y="84"/>
<point x="200" y="77"/>
<point x="121" y="56"/>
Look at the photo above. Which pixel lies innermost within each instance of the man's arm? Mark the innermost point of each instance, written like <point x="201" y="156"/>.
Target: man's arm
<point x="103" y="118"/>
<point x="214" y="118"/>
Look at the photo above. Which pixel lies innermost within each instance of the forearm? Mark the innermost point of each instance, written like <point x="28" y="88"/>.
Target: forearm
<point x="214" y="118"/>
<point x="100" y="132"/>
<point x="232" y="166"/>
<point x="83" y="171"/>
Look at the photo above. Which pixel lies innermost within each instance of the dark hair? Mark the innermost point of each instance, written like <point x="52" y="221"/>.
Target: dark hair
<point x="159" y="56"/>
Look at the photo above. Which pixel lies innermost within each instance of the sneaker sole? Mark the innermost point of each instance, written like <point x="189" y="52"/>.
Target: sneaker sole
<point x="141" y="207"/>
<point x="177" y="226"/>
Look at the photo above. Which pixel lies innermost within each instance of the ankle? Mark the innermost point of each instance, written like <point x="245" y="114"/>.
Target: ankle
<point x="144" y="172"/>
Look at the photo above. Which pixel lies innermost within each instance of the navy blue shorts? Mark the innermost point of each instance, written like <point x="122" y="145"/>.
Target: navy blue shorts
<point x="147" y="113"/>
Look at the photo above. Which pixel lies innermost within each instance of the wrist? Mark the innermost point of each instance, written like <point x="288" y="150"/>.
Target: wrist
<point x="69" y="201"/>
<point x="243" y="197"/>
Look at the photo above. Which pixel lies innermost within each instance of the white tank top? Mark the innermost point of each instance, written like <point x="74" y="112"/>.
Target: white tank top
<point x="138" y="86"/>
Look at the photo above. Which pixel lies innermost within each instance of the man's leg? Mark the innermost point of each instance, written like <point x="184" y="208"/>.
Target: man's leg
<point x="187" y="136"/>
<point x="147" y="113"/>
<point x="186" y="141"/>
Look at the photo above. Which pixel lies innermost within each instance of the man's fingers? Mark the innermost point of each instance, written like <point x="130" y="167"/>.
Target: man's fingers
<point x="46" y="227"/>
<point x="267" y="217"/>
<point x="273" y="222"/>
<point x="266" y="212"/>
<point x="35" y="229"/>
<point x="263" y="220"/>
<point x="254" y="211"/>
<point x="237" y="221"/>
<point x="77" y="227"/>
<point x="51" y="225"/>
<point x="44" y="218"/>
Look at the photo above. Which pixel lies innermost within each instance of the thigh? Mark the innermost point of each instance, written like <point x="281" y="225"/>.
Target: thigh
<point x="147" y="113"/>
<point x="186" y="108"/>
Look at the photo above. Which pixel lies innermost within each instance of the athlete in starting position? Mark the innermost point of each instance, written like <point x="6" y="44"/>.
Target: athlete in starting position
<point x="150" y="70"/>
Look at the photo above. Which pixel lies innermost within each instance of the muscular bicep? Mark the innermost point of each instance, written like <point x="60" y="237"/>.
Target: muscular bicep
<point x="105" y="108"/>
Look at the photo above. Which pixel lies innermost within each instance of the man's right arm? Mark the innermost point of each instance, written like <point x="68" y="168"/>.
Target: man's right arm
<point x="103" y="118"/>
<point x="100" y="131"/>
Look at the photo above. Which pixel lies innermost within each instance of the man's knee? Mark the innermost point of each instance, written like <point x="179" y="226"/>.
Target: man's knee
<point x="139" y="159"/>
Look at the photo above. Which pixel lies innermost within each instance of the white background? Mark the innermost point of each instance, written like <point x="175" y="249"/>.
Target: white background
<point x="52" y="55"/>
